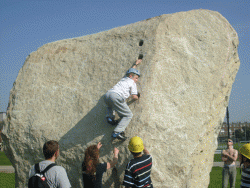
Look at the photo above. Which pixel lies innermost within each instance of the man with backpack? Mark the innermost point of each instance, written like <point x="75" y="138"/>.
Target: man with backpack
<point x="46" y="173"/>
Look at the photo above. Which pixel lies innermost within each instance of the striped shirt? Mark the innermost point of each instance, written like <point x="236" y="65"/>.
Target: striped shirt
<point x="245" y="178"/>
<point x="137" y="173"/>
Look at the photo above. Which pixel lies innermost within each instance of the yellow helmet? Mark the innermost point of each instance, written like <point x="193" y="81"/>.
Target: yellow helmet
<point x="245" y="150"/>
<point x="136" y="145"/>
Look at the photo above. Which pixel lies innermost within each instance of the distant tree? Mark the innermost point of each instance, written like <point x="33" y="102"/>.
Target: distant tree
<point x="1" y="126"/>
<point x="246" y="132"/>
<point x="239" y="133"/>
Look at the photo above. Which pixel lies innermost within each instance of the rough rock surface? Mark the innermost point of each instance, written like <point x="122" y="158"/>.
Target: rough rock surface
<point x="189" y="65"/>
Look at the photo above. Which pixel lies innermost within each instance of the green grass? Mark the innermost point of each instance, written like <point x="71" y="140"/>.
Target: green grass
<point x="4" y="161"/>
<point x="217" y="158"/>
<point x="216" y="178"/>
<point x="7" y="180"/>
<point x="223" y="145"/>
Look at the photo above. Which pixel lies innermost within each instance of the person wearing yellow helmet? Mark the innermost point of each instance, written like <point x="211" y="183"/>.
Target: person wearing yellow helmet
<point x="138" y="170"/>
<point x="244" y="158"/>
<point x="229" y="156"/>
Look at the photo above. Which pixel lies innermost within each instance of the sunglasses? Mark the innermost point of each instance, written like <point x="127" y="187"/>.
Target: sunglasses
<point x="230" y="141"/>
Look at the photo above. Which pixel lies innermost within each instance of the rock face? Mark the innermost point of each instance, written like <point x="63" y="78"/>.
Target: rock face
<point x="189" y="65"/>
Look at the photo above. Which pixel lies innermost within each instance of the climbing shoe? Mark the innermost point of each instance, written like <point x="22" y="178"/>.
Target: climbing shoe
<point x="112" y="121"/>
<point x="122" y="133"/>
<point x="120" y="136"/>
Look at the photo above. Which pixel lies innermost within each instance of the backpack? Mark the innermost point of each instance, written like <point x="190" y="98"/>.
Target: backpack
<point x="39" y="180"/>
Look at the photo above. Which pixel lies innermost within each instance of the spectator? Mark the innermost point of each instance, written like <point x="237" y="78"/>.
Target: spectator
<point x="138" y="170"/>
<point x="92" y="169"/>
<point x="244" y="158"/>
<point x="229" y="156"/>
<point x="56" y="176"/>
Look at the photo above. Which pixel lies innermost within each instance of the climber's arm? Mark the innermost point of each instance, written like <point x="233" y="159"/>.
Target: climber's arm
<point x="137" y="63"/>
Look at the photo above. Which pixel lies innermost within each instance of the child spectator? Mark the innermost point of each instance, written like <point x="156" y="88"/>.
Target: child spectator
<point x="138" y="170"/>
<point x="244" y="158"/>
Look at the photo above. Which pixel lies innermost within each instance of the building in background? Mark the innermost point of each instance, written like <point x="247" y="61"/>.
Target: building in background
<point x="2" y="116"/>
<point x="242" y="128"/>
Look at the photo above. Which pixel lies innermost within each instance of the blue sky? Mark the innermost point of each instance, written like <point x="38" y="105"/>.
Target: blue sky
<point x="27" y="25"/>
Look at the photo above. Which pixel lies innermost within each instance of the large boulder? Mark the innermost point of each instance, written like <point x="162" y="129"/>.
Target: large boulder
<point x="189" y="65"/>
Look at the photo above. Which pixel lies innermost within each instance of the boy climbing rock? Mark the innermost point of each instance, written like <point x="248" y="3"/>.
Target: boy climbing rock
<point x="115" y="100"/>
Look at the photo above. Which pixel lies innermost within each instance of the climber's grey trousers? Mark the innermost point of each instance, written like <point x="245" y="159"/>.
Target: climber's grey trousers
<point x="116" y="103"/>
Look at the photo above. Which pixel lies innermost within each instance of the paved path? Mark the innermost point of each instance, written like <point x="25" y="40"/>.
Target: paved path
<point x="10" y="169"/>
<point x="7" y="169"/>
<point x="221" y="164"/>
<point x="217" y="152"/>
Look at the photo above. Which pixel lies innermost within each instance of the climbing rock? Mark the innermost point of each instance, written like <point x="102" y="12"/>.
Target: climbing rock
<point x="189" y="64"/>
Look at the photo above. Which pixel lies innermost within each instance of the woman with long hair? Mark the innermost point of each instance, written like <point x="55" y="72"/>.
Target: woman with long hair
<point x="92" y="169"/>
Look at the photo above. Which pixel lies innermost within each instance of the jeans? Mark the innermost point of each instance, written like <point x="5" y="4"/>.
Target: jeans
<point x="229" y="173"/>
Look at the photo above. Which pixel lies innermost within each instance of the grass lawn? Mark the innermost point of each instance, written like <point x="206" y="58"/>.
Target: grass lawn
<point x="4" y="161"/>
<point x="223" y="145"/>
<point x="217" y="158"/>
<point x="7" y="180"/>
<point x="216" y="178"/>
